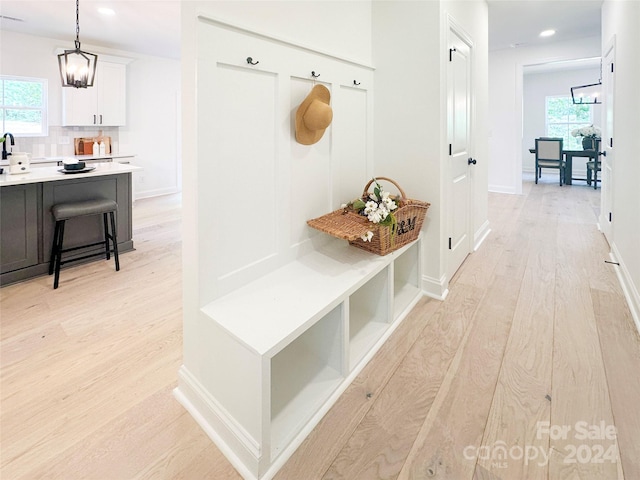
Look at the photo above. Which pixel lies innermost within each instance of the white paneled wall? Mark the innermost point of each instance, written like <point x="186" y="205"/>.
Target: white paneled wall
<point x="309" y="167"/>
<point x="257" y="185"/>
<point x="352" y="138"/>
<point x="267" y="330"/>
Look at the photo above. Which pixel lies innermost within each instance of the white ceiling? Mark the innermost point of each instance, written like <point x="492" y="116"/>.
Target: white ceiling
<point x="518" y="23"/>
<point x="149" y="27"/>
<point x="152" y="27"/>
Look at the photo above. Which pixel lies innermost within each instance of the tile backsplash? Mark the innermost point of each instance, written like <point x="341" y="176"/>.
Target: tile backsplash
<point x="60" y="141"/>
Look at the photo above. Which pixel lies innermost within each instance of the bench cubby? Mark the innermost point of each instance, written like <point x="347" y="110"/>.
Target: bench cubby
<point x="303" y="375"/>
<point x="277" y="353"/>
<point x="369" y="316"/>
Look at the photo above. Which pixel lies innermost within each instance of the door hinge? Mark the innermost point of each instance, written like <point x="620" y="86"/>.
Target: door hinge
<point x="612" y="68"/>
<point x="611" y="142"/>
<point x="451" y="50"/>
<point x="609" y="217"/>
<point x="449" y="149"/>
<point x="449" y="243"/>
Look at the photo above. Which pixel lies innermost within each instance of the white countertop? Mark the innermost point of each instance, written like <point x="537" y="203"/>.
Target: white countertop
<point x="52" y="174"/>
<point x="77" y="157"/>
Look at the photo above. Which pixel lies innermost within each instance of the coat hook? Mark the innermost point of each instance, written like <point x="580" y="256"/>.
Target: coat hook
<point x="251" y="62"/>
<point x="356" y="83"/>
<point x="313" y="74"/>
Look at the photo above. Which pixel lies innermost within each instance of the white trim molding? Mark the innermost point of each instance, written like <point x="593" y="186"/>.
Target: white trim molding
<point x="626" y="282"/>
<point x="481" y="234"/>
<point x="434" y="287"/>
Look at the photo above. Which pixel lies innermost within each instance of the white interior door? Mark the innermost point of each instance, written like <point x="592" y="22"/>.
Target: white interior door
<point x="460" y="160"/>
<point x="607" y="143"/>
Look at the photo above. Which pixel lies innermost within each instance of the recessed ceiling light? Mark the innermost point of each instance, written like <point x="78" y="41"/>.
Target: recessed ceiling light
<point x="106" y="11"/>
<point x="547" y="33"/>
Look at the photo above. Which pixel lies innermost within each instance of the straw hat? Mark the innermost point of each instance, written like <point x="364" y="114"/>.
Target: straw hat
<point x="314" y="115"/>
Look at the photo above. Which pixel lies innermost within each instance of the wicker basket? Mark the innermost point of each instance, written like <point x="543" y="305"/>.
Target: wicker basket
<point x="348" y="224"/>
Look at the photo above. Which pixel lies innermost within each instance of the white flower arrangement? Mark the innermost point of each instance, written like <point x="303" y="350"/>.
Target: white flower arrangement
<point x="590" y="131"/>
<point x="378" y="209"/>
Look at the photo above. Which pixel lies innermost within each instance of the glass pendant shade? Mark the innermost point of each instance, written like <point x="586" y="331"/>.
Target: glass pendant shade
<point x="77" y="68"/>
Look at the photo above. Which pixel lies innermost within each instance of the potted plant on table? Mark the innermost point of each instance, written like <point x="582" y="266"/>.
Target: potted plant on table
<point x="589" y="136"/>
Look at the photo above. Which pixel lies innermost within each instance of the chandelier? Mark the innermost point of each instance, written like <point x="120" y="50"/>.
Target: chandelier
<point x="590" y="94"/>
<point x="77" y="68"/>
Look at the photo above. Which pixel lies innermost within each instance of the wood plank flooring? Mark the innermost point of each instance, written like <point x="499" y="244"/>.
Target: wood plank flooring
<point x="533" y="349"/>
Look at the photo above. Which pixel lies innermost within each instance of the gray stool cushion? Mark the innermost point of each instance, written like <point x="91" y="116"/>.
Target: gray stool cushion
<point x="64" y="211"/>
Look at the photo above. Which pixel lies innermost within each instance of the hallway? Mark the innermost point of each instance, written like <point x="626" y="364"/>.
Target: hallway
<point x="524" y="371"/>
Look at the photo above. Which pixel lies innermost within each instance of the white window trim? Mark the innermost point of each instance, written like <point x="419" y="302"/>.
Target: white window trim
<point x="44" y="132"/>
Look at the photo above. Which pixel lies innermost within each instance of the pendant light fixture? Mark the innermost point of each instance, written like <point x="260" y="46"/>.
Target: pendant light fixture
<point x="588" y="94"/>
<point x="77" y="68"/>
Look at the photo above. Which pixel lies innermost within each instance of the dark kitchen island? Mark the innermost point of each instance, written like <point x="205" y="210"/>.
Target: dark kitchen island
<point x="26" y="223"/>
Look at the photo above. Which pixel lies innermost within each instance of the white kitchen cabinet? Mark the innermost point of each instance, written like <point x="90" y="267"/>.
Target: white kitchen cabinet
<point x="104" y="104"/>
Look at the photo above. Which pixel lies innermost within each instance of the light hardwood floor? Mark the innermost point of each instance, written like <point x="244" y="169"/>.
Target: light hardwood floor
<point x="535" y="335"/>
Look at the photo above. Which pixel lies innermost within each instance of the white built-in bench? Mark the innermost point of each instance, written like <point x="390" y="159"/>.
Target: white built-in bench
<point x="284" y="347"/>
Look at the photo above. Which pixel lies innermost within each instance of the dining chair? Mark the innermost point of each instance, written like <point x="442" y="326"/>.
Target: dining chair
<point x="592" y="172"/>
<point x="594" y="166"/>
<point x="549" y="155"/>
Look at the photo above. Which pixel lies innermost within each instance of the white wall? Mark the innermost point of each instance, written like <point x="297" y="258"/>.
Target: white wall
<point x="410" y="55"/>
<point x="153" y="124"/>
<point x="408" y="110"/>
<point x="505" y="99"/>
<point x="152" y="121"/>
<point x="30" y="56"/>
<point x="339" y="27"/>
<point x="619" y="20"/>
<point x="536" y="87"/>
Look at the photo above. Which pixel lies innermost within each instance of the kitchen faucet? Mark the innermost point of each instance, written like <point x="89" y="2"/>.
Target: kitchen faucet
<point x="5" y="154"/>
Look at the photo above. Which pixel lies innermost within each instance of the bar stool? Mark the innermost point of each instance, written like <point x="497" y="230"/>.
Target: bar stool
<point x="66" y="211"/>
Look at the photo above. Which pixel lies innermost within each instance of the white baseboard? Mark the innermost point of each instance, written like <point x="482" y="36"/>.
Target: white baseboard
<point x="155" y="193"/>
<point x="438" y="288"/>
<point x="502" y="189"/>
<point x="232" y="440"/>
<point x="480" y="235"/>
<point x="435" y="288"/>
<point x="630" y="290"/>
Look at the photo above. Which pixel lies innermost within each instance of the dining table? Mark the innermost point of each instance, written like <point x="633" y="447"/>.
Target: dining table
<point x="568" y="156"/>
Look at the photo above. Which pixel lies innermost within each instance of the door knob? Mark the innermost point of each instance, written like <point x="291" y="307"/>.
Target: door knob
<point x="604" y="154"/>
<point x="471" y="161"/>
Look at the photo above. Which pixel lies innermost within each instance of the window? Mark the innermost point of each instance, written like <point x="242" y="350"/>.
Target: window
<point x="23" y="106"/>
<point x="563" y="116"/>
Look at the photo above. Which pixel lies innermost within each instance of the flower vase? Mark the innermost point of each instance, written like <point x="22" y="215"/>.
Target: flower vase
<point x="588" y="143"/>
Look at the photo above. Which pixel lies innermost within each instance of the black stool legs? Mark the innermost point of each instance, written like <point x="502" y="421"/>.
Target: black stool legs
<point x="114" y="240"/>
<point x="56" y="250"/>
